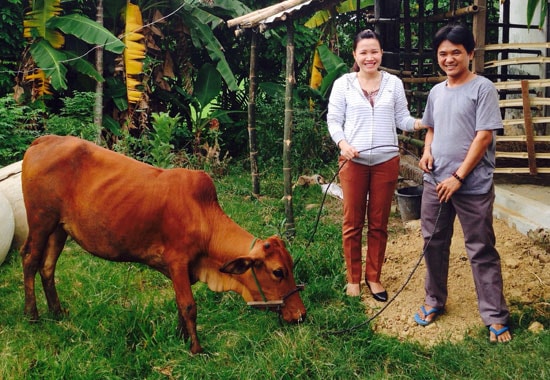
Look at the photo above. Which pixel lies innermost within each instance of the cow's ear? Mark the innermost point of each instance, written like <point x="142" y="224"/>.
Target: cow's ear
<point x="237" y="266"/>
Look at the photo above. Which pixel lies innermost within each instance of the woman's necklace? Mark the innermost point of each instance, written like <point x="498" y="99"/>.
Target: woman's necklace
<point x="370" y="85"/>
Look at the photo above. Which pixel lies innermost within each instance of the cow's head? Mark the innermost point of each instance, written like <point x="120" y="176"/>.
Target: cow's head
<point x="266" y="274"/>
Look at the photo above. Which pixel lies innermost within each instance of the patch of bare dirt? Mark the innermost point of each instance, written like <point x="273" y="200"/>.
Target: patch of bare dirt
<point x="526" y="273"/>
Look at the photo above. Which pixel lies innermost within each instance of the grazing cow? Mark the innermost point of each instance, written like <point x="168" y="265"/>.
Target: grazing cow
<point x="123" y="210"/>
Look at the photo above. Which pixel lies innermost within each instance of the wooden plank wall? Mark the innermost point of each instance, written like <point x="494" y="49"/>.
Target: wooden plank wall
<point x="529" y="103"/>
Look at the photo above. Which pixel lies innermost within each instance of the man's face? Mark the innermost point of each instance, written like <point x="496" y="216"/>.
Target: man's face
<point x="453" y="59"/>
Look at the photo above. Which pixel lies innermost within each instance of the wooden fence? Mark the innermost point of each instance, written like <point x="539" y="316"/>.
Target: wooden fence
<point x="523" y="161"/>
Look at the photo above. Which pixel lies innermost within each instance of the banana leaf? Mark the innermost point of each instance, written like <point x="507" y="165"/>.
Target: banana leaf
<point x="82" y="66"/>
<point x="331" y="61"/>
<point x="35" y="21"/>
<point x="135" y="52"/>
<point x="192" y="7"/>
<point x="49" y="60"/>
<point x="334" y="66"/>
<point x="531" y="8"/>
<point x="87" y="30"/>
<point x="324" y="15"/>
<point x="207" y="85"/>
<point x="230" y="8"/>
<point x="203" y="38"/>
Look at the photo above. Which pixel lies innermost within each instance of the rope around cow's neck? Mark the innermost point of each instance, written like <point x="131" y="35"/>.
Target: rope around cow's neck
<point x="274" y="305"/>
<point x="254" y="272"/>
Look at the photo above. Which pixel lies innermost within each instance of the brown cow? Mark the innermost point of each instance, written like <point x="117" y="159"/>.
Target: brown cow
<point x="123" y="210"/>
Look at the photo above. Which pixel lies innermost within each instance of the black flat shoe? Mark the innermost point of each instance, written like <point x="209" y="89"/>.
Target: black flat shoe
<point x="381" y="297"/>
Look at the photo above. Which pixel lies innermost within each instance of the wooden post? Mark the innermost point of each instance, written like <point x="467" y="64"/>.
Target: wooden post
<point x="531" y="156"/>
<point x="479" y="27"/>
<point x="389" y="32"/>
<point x="252" y="141"/>
<point x="98" y="98"/>
<point x="290" y="229"/>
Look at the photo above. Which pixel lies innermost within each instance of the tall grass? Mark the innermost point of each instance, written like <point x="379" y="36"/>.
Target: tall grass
<point x="121" y="321"/>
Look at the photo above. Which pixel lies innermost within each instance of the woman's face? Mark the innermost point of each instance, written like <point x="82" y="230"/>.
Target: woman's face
<point x="368" y="54"/>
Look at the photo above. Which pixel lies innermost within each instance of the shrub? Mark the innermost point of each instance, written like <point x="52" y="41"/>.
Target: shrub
<point x="16" y="131"/>
<point x="162" y="154"/>
<point x="75" y="118"/>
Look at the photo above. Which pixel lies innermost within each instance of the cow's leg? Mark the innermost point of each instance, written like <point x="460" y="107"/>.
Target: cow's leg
<point x="56" y="242"/>
<point x="31" y="255"/>
<point x="187" y="321"/>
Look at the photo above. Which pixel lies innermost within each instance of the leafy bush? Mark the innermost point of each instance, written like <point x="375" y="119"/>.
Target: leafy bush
<point x="75" y="118"/>
<point x="162" y="154"/>
<point x="16" y="131"/>
<point x="311" y="147"/>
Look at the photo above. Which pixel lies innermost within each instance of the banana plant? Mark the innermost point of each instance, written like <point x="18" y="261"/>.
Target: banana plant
<point x="323" y="16"/>
<point x="45" y="28"/>
<point x="531" y="8"/>
<point x="135" y="52"/>
<point x="200" y="25"/>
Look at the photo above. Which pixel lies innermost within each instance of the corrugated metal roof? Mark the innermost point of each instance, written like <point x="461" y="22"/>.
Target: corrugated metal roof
<point x="279" y="13"/>
<point x="282" y="15"/>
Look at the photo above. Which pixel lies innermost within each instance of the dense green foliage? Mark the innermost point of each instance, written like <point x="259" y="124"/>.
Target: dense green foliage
<point x="121" y="321"/>
<point x="15" y="136"/>
<point x="11" y="46"/>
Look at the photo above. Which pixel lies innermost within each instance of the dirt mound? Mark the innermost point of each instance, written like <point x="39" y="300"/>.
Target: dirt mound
<point x="526" y="273"/>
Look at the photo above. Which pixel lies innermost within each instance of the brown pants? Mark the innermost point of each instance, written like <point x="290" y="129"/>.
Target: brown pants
<point x="475" y="213"/>
<point x="367" y="189"/>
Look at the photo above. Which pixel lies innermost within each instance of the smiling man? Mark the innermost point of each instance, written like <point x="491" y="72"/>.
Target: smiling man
<point x="462" y="115"/>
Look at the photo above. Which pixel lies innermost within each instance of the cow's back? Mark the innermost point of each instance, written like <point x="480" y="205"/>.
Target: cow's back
<point x="112" y="205"/>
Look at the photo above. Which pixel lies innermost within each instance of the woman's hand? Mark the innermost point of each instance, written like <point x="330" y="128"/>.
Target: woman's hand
<point x="347" y="151"/>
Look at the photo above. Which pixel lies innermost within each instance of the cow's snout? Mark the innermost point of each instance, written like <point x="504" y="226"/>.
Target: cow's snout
<point x="294" y="310"/>
<point x="297" y="316"/>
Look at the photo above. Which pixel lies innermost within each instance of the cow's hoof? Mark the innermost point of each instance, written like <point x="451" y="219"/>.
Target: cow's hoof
<point x="196" y="349"/>
<point x="32" y="318"/>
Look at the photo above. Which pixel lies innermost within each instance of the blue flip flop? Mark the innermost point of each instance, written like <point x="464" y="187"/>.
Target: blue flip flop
<point x="498" y="332"/>
<point x="422" y="322"/>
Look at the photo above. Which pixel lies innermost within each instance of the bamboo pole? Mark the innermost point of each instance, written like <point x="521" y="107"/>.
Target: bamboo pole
<point x="519" y="102"/>
<point x="522" y="155"/>
<point x="516" y="84"/>
<point x="534" y="120"/>
<point x="409" y="140"/>
<point x="437" y="17"/>
<point x="98" y="97"/>
<point x="519" y="170"/>
<point x="290" y="229"/>
<point x="479" y="29"/>
<point x="425" y="80"/>
<point x="252" y="141"/>
<point x="522" y="45"/>
<point x="399" y="73"/>
<point x="528" y="127"/>
<point x="517" y="61"/>
<point x="452" y="14"/>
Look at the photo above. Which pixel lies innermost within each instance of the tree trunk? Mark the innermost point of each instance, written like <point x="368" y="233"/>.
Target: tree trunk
<point x="287" y="138"/>
<point x="98" y="105"/>
<point x="252" y="116"/>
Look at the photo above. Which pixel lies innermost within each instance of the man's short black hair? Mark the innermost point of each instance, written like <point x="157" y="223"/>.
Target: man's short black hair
<point x="458" y="34"/>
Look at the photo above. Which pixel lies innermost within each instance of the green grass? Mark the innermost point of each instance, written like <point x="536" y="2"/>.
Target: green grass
<point x="121" y="321"/>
